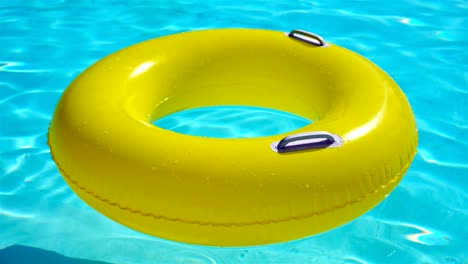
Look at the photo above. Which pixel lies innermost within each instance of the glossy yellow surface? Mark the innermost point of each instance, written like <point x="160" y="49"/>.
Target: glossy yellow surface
<point x="231" y="192"/>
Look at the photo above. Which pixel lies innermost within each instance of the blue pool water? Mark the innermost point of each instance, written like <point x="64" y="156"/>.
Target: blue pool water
<point x="421" y="44"/>
<point x="231" y="122"/>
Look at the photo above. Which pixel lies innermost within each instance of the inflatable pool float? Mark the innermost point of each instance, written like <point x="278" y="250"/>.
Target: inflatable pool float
<point x="242" y="191"/>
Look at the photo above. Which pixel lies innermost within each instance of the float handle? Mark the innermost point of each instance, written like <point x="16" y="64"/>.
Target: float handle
<point x="307" y="37"/>
<point x="307" y="141"/>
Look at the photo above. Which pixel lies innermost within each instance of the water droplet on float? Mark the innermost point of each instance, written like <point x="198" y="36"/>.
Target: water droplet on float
<point x="207" y="179"/>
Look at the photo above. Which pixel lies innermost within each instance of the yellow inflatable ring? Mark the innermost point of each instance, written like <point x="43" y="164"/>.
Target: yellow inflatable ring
<point x="233" y="192"/>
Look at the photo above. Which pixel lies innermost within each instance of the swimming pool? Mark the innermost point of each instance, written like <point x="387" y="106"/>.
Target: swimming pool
<point x="45" y="44"/>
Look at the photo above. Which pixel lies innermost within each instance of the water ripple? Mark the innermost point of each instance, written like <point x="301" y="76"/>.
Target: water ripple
<point x="19" y="67"/>
<point x="427" y="237"/>
<point x="12" y="214"/>
<point x="429" y="158"/>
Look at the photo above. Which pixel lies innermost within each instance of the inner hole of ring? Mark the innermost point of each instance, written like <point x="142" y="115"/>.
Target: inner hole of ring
<point x="231" y="121"/>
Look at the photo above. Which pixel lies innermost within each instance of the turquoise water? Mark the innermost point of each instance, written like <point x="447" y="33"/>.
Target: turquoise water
<point x="231" y="122"/>
<point x="421" y="44"/>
